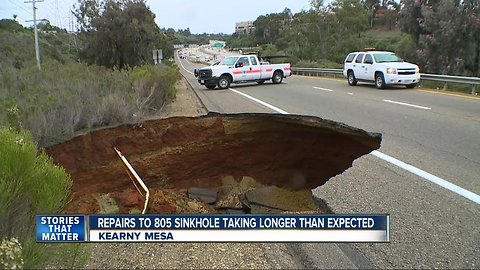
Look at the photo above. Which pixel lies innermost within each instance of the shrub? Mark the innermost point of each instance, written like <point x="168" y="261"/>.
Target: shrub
<point x="61" y="99"/>
<point x="30" y="184"/>
<point x="11" y="254"/>
<point x="323" y="63"/>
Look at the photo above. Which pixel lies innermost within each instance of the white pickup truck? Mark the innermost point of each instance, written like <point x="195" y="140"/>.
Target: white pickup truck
<point x="241" y="68"/>
<point x="380" y="67"/>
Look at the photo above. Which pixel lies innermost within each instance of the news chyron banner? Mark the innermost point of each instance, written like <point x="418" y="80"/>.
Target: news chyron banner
<point x="213" y="228"/>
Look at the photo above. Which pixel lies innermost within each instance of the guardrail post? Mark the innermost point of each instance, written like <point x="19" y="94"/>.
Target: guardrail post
<point x="445" y="86"/>
<point x="473" y="90"/>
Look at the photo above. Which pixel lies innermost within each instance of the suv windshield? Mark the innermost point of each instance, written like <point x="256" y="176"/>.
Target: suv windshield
<point x="229" y="61"/>
<point x="386" y="57"/>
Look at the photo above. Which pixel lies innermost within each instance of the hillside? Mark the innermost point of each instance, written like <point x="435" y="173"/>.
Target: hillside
<point x="17" y="45"/>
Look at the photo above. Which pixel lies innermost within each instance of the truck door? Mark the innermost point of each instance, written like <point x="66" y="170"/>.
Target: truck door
<point x="254" y="72"/>
<point x="241" y="67"/>
<point x="358" y="67"/>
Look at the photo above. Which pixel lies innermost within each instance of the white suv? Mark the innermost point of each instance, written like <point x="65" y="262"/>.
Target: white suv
<point x="382" y="68"/>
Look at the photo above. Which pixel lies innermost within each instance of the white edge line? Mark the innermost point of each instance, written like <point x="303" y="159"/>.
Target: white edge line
<point x="430" y="177"/>
<point x="324" y="89"/>
<point x="407" y="104"/>
<point x="180" y="60"/>
<point x="259" y="101"/>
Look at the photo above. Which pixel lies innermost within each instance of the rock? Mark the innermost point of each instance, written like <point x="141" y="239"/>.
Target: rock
<point x="258" y="209"/>
<point x="234" y="190"/>
<point x="281" y="199"/>
<point x="107" y="204"/>
<point x="202" y="194"/>
<point x="235" y="211"/>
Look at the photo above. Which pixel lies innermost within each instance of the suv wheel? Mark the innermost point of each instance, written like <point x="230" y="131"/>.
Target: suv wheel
<point x="379" y="80"/>
<point x="352" y="81"/>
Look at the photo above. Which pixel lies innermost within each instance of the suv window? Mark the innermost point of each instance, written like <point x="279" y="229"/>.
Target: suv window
<point x="359" y="58"/>
<point x="387" y="57"/>
<point x="350" y="58"/>
<point x="368" y="59"/>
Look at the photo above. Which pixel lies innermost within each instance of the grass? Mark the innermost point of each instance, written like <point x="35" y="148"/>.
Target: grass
<point x="454" y="87"/>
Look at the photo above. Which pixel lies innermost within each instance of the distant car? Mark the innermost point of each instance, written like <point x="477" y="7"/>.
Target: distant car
<point x="207" y="58"/>
<point x="380" y="67"/>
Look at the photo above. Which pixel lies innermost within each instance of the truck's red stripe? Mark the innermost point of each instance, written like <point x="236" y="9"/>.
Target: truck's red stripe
<point x="287" y="68"/>
<point x="269" y="69"/>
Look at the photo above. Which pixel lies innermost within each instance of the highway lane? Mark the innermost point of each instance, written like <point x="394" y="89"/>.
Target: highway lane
<point x="443" y="140"/>
<point x="431" y="226"/>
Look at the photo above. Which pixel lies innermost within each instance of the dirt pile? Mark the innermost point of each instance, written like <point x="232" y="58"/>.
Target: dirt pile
<point x="286" y="151"/>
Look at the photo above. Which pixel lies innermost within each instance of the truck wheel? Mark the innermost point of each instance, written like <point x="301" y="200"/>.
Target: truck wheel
<point x="224" y="82"/>
<point x="260" y="81"/>
<point x="210" y="86"/>
<point x="411" y="85"/>
<point x="277" y="77"/>
<point x="352" y="81"/>
<point x="379" y="80"/>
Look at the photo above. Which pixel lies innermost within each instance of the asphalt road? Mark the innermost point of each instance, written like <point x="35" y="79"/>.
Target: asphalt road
<point x="431" y="227"/>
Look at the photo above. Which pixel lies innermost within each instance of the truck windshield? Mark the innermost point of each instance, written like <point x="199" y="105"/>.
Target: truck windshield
<point x="229" y="61"/>
<point x="386" y="57"/>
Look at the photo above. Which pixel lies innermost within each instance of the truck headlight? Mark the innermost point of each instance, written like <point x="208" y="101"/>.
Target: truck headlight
<point x="391" y="71"/>
<point x="417" y="70"/>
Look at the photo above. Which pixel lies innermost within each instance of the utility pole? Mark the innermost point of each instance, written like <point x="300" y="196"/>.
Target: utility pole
<point x="37" y="48"/>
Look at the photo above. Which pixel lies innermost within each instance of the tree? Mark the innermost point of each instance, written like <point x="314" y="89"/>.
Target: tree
<point x="269" y="27"/>
<point x="317" y="5"/>
<point x="119" y="33"/>
<point x="446" y="32"/>
<point x="410" y="18"/>
<point x="372" y="7"/>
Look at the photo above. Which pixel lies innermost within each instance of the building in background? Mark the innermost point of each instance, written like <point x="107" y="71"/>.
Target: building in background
<point x="244" y="27"/>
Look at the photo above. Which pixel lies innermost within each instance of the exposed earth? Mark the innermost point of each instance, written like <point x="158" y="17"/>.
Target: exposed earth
<point x="208" y="164"/>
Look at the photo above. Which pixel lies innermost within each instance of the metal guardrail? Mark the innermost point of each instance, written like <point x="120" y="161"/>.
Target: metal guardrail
<point x="474" y="81"/>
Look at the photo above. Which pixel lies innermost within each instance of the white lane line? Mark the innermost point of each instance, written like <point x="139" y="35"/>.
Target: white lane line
<point x="324" y="89"/>
<point x="179" y="60"/>
<point x="351" y="94"/>
<point x="407" y="104"/>
<point x="430" y="177"/>
<point x="425" y="175"/>
<point x="259" y="101"/>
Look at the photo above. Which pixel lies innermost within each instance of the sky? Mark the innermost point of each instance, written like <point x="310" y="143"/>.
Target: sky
<point x="206" y="16"/>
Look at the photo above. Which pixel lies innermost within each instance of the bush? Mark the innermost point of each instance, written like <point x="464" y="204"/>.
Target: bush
<point x="323" y="63"/>
<point x="11" y="254"/>
<point x="62" y="99"/>
<point x="30" y="184"/>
